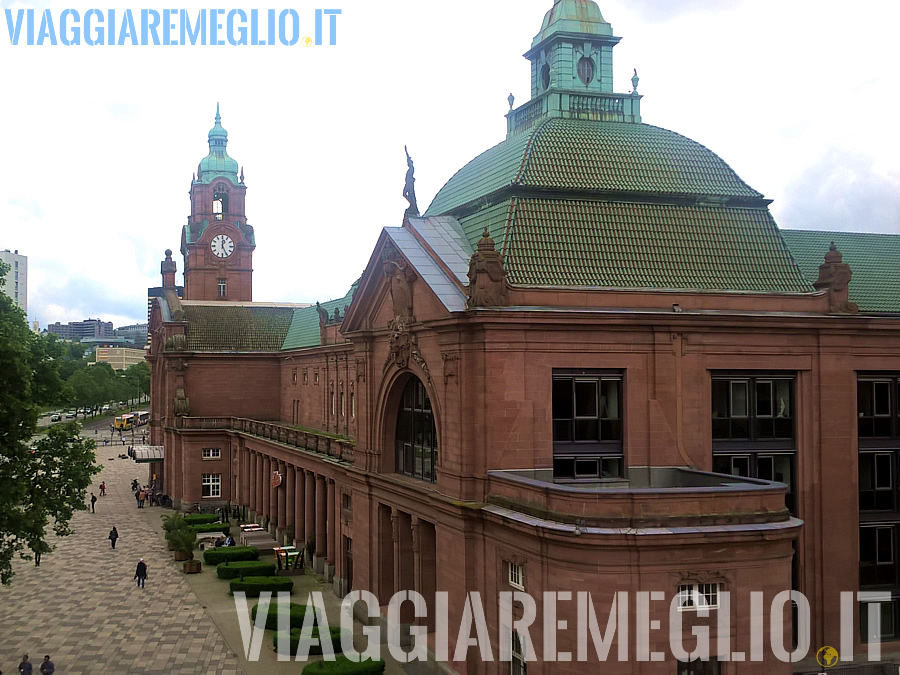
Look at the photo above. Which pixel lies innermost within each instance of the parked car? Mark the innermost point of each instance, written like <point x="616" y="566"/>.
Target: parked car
<point x="70" y="415"/>
<point x="55" y="417"/>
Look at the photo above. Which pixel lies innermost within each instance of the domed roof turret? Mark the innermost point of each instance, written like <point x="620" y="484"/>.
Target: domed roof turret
<point x="573" y="16"/>
<point x="217" y="163"/>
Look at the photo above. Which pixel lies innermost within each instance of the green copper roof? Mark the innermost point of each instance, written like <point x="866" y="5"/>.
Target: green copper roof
<point x="573" y="16"/>
<point x="564" y="242"/>
<point x="580" y="155"/>
<point x="217" y="164"/>
<point x="873" y="258"/>
<point x="304" y="331"/>
<point x="223" y="327"/>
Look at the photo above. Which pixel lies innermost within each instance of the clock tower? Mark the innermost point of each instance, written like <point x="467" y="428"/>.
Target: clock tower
<point x="217" y="243"/>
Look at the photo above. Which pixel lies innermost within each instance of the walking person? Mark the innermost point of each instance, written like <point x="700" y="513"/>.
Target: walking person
<point x="93" y="502"/>
<point x="141" y="573"/>
<point x="25" y="667"/>
<point x="113" y="535"/>
<point x="47" y="667"/>
<point x="103" y="489"/>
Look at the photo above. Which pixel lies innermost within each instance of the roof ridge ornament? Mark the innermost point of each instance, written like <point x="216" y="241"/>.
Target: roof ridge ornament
<point x="834" y="277"/>
<point x="634" y="82"/>
<point x="409" y="188"/>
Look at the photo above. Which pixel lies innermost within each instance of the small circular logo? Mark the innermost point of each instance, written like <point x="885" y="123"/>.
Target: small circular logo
<point x="306" y="41"/>
<point x="827" y="657"/>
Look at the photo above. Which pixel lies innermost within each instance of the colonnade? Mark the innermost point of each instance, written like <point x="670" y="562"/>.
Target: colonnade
<point x="298" y="503"/>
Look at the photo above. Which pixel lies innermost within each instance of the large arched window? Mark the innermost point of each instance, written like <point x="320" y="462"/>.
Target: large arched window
<point x="416" y="440"/>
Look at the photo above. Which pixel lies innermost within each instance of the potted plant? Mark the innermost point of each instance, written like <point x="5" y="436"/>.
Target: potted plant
<point x="182" y="541"/>
<point x="172" y="522"/>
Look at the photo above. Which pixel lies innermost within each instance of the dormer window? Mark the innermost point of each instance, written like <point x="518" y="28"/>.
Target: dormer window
<point x="220" y="201"/>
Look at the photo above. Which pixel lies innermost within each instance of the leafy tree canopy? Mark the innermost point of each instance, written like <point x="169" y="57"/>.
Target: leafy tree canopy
<point x="46" y="482"/>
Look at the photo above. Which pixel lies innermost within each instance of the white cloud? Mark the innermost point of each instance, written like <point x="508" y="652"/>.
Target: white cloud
<point x="99" y="143"/>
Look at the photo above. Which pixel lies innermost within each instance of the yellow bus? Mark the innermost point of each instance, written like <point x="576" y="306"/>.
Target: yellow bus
<point x="124" y="422"/>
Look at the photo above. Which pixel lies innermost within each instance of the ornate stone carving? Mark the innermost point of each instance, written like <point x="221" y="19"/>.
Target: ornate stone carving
<point x="176" y="343"/>
<point x="360" y="370"/>
<point x="835" y="276"/>
<point x="182" y="403"/>
<point x="323" y="315"/>
<point x="395" y="526"/>
<point x="401" y="276"/>
<point x="487" y="276"/>
<point x="403" y="346"/>
<point x="450" y="364"/>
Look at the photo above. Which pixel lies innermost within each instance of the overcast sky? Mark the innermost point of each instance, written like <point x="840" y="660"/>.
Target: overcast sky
<point x="99" y="143"/>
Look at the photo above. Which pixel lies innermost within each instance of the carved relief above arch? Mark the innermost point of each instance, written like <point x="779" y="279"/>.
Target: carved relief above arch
<point x="404" y="346"/>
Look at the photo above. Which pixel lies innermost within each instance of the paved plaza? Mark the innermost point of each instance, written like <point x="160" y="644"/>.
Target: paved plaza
<point x="82" y="606"/>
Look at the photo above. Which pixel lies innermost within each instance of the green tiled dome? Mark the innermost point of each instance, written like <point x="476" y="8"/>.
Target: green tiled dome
<point x="577" y="155"/>
<point x="217" y="163"/>
<point x="573" y="16"/>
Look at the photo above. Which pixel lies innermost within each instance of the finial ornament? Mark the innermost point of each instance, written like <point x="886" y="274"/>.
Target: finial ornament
<point x="218" y="117"/>
<point x="634" y="82"/>
<point x="409" y="189"/>
<point x="511" y="99"/>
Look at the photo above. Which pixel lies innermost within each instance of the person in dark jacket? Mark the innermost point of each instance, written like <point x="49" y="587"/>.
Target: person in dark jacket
<point x="47" y="667"/>
<point x="113" y="535"/>
<point x="141" y="573"/>
<point x="25" y="667"/>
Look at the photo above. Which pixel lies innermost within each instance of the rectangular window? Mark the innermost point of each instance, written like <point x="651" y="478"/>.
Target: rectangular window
<point x="692" y="597"/>
<point x="518" y="665"/>
<point x="212" y="453"/>
<point x="699" y="667"/>
<point x="222" y="288"/>
<point x="876" y="403"/>
<point x="753" y="409"/>
<point x="776" y="466"/>
<point x="516" y="576"/>
<point x="294" y="376"/>
<point x="306" y="376"/>
<point x="212" y="485"/>
<point x="876" y="556"/>
<point x="876" y="481"/>
<point x="347" y="502"/>
<point x="587" y="425"/>
<point x="888" y="628"/>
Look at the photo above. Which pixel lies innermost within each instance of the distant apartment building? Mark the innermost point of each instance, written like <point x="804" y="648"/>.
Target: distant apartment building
<point x="119" y="358"/>
<point x="16" y="286"/>
<point x="77" y="330"/>
<point x="136" y="333"/>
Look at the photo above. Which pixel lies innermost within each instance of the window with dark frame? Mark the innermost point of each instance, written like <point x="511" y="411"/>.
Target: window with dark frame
<point x="416" y="435"/>
<point x="889" y="622"/>
<point x="876" y="401"/>
<point x="585" y="69"/>
<point x="518" y="663"/>
<point x="587" y="425"/>
<point x="877" y="559"/>
<point x="753" y="427"/>
<point x="699" y="667"/>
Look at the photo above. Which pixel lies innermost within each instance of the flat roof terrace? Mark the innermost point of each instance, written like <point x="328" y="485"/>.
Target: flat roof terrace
<point x="648" y="497"/>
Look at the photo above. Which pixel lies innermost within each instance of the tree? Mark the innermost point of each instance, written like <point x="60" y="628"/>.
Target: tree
<point x="49" y="482"/>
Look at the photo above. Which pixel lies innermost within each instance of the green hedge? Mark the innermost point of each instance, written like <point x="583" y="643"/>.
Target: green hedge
<point x="253" y="586"/>
<point x="314" y="650"/>
<point x="214" y="556"/>
<point x="297" y="613"/>
<point x="201" y="518"/>
<point x="343" y="666"/>
<point x="224" y="528"/>
<point x="241" y="568"/>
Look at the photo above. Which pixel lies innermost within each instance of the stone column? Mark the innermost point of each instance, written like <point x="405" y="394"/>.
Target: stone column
<point x="331" y="514"/>
<point x="289" y="498"/>
<point x="299" y="507"/>
<point x="254" y="507"/>
<point x="280" y="501"/>
<point x="321" y="534"/>
<point x="266" y="487"/>
<point x="310" y="515"/>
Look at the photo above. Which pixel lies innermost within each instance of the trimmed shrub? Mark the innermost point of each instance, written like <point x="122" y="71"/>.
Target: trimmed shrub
<point x="343" y="666"/>
<point x="214" y="556"/>
<point x="297" y="612"/>
<point x="253" y="586"/>
<point x="314" y="650"/>
<point x="224" y="528"/>
<point x="201" y="518"/>
<point x="241" y="568"/>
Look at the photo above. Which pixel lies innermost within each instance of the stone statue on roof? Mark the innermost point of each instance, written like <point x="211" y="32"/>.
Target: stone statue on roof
<point x="409" y="189"/>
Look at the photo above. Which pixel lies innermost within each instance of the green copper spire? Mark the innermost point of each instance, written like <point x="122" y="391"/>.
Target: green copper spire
<point x="572" y="70"/>
<point x="217" y="163"/>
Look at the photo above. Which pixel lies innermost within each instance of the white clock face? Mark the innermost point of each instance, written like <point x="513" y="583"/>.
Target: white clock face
<point x="222" y="245"/>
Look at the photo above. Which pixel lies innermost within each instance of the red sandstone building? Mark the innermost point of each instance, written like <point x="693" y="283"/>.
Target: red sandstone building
<point x="594" y="364"/>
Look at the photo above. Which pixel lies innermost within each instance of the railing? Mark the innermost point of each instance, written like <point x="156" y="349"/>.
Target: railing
<point x="320" y="443"/>
<point x="527" y="115"/>
<point x="597" y="107"/>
